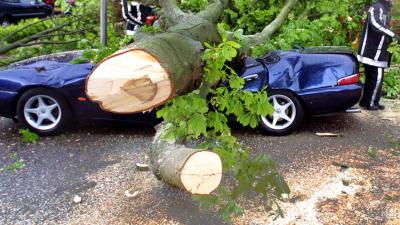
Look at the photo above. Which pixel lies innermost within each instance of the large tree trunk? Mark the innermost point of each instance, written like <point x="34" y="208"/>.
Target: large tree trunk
<point x="197" y="171"/>
<point x="156" y="68"/>
<point x="153" y="70"/>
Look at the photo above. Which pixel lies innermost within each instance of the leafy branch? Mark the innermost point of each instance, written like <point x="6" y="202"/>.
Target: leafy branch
<point x="201" y="117"/>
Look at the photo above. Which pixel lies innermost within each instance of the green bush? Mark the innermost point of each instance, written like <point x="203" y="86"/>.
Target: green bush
<point x="194" y="5"/>
<point x="391" y="85"/>
<point x="79" y="30"/>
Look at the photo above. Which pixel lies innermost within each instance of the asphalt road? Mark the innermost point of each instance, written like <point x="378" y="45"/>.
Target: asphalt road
<point x="98" y="165"/>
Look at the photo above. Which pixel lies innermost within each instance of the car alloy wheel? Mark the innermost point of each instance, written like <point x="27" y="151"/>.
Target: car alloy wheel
<point x="42" y="112"/>
<point x="284" y="115"/>
<point x="287" y="116"/>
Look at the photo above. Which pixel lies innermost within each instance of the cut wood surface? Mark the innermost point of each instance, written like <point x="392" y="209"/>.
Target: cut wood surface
<point x="197" y="171"/>
<point x="128" y="81"/>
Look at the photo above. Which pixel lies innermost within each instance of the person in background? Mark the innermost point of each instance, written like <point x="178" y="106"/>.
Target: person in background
<point x="135" y="15"/>
<point x="373" y="52"/>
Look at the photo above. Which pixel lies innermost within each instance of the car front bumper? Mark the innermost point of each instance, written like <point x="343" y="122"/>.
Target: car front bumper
<point x="7" y="104"/>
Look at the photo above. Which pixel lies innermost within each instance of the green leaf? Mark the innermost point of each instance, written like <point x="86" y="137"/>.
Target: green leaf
<point x="197" y="125"/>
<point x="79" y="60"/>
<point x="28" y="136"/>
<point x="234" y="44"/>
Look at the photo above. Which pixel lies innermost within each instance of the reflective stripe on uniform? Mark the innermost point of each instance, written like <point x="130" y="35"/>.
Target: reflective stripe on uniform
<point x="365" y="40"/>
<point x="372" y="62"/>
<point x="378" y="83"/>
<point x="377" y="25"/>
<point x="378" y="53"/>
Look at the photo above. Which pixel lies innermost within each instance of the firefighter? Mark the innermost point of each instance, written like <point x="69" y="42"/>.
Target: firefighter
<point x="135" y="15"/>
<point x="373" y="52"/>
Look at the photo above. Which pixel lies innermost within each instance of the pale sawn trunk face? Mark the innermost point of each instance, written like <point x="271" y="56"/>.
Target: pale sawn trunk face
<point x="129" y="79"/>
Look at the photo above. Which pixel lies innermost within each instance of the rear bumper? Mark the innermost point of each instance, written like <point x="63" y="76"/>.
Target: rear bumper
<point x="331" y="99"/>
<point x="7" y="107"/>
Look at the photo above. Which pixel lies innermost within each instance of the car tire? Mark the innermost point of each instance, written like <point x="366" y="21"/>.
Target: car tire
<point x="288" y="115"/>
<point x="4" y="22"/>
<point x="43" y="111"/>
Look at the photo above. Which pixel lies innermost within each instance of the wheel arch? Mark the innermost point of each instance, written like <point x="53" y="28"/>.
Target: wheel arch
<point x="306" y="111"/>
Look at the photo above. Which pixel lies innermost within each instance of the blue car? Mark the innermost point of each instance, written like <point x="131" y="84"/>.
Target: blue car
<point x="15" y="10"/>
<point x="46" y="95"/>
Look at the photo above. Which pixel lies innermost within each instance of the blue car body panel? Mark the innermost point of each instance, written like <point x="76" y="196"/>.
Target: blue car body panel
<point x="6" y="103"/>
<point x="297" y="71"/>
<point x="312" y="77"/>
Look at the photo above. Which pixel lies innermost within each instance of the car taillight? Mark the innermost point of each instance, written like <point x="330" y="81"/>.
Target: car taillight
<point x="49" y="2"/>
<point x="352" y="79"/>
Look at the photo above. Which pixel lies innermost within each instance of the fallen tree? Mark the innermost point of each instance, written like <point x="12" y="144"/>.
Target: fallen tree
<point x="156" y="68"/>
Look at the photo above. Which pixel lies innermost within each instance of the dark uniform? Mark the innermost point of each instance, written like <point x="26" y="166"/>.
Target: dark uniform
<point x="135" y="15"/>
<point x="373" y="52"/>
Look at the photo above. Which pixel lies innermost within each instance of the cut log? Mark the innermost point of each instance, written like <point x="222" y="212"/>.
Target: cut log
<point x="129" y="81"/>
<point x="197" y="171"/>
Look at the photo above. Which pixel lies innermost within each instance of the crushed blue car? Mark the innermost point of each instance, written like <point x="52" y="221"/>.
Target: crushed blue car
<point x="46" y="95"/>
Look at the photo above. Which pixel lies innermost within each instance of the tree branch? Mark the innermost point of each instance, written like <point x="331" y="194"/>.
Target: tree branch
<point x="48" y="43"/>
<point x="30" y="25"/>
<point x="265" y="35"/>
<point x="65" y="33"/>
<point x="214" y="10"/>
<point x="19" y="43"/>
<point x="170" y="14"/>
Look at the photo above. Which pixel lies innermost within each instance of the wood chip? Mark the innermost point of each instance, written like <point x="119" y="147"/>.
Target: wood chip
<point x="77" y="199"/>
<point x="129" y="195"/>
<point x="327" y="135"/>
<point x="142" y="167"/>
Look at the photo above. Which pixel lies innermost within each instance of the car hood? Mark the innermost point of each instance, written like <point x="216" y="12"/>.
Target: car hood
<point x="45" y="73"/>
